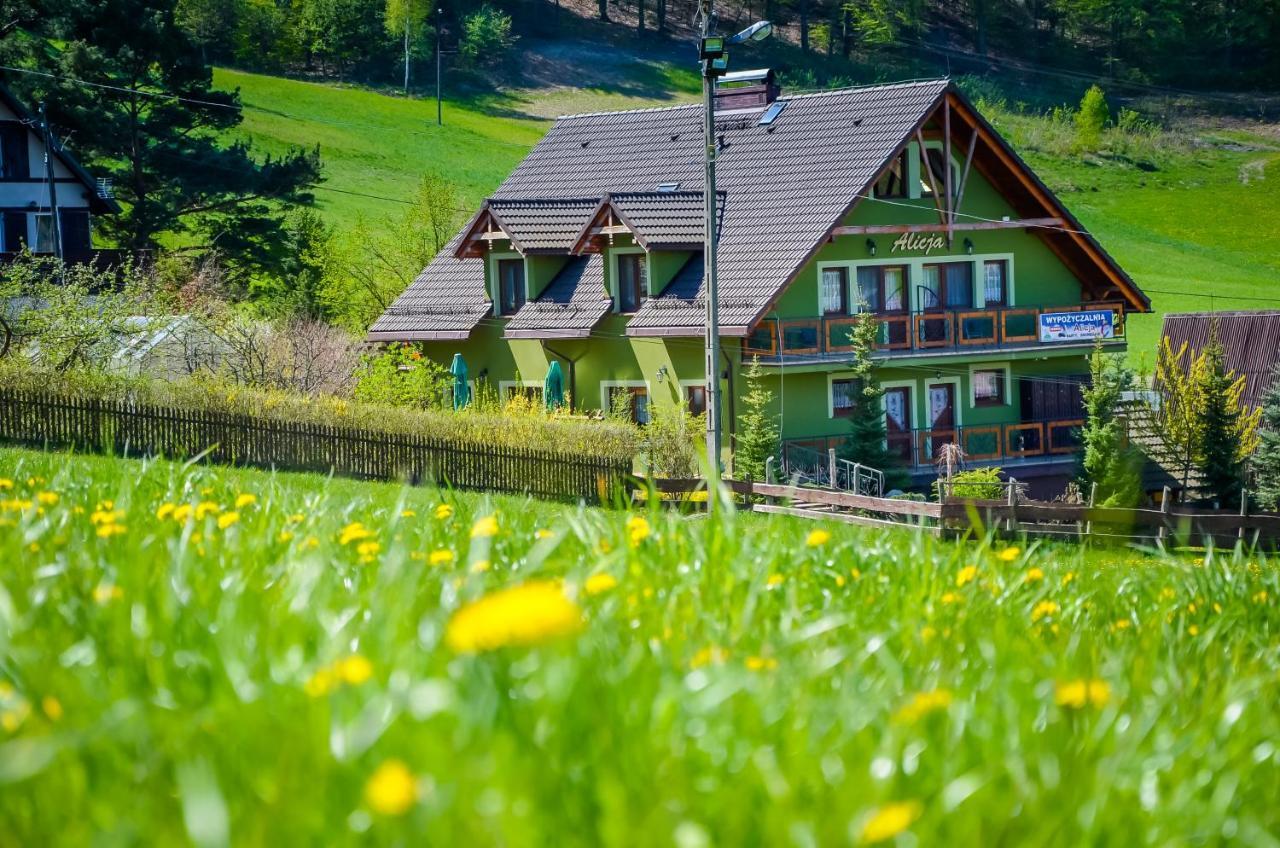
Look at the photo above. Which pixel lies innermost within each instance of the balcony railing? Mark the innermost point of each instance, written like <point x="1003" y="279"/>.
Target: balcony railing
<point x="983" y="443"/>
<point x="905" y="332"/>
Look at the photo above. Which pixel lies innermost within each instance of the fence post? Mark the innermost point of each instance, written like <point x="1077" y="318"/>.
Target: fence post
<point x="1244" y="512"/>
<point x="1012" y="521"/>
<point x="1093" y="494"/>
<point x="768" y="470"/>
<point x="750" y="501"/>
<point x="831" y="467"/>
<point x="1165" y="506"/>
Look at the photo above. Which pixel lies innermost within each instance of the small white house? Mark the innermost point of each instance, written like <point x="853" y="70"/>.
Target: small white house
<point x="26" y="199"/>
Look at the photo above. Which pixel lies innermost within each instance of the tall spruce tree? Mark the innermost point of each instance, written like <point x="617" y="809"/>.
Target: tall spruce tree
<point x="1109" y="462"/>
<point x="134" y="92"/>
<point x="867" y="442"/>
<point x="1229" y="432"/>
<point x="758" y="434"/>
<point x="1266" y="460"/>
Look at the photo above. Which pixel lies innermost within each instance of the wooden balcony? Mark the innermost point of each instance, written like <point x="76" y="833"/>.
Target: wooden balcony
<point x="913" y="333"/>
<point x="993" y="444"/>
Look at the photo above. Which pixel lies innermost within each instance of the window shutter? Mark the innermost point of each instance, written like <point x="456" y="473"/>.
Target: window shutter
<point x="13" y="151"/>
<point x="75" y="230"/>
<point x="15" y="231"/>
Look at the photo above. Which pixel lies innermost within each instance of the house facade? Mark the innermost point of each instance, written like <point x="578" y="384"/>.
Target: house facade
<point x="898" y="199"/>
<point x="26" y="202"/>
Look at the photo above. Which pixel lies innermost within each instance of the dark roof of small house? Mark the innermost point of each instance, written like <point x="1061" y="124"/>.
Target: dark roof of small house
<point x="572" y="305"/>
<point x="97" y="202"/>
<point x="784" y="186"/>
<point x="446" y="301"/>
<point x="1250" y="342"/>
<point x="680" y="303"/>
<point x="542" y="225"/>
<point x="663" y="219"/>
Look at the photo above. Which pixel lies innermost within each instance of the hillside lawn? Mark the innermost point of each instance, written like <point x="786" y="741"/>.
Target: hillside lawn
<point x="1202" y="231"/>
<point x="236" y="657"/>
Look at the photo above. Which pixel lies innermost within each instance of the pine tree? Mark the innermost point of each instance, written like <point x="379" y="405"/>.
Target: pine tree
<point x="867" y="442"/>
<point x="758" y="437"/>
<point x="1229" y="432"/>
<point x="1266" y="460"/>
<point x="1110" y="464"/>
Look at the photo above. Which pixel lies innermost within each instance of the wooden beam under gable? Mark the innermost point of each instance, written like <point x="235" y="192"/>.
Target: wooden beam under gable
<point x="933" y="184"/>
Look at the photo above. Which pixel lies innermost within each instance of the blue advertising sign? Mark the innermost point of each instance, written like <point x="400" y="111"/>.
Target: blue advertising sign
<point x="1077" y="326"/>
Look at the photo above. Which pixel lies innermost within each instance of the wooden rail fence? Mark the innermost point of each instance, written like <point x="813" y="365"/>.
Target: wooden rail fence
<point x="123" y="427"/>
<point x="1010" y="517"/>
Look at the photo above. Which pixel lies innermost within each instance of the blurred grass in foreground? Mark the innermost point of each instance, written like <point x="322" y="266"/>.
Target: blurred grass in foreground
<point x="213" y="656"/>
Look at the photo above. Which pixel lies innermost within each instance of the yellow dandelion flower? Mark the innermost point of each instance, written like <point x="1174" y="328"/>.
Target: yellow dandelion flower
<point x="1078" y="694"/>
<point x="444" y="511"/>
<point x="391" y="790"/>
<point x="354" y="670"/>
<point x="285" y="536"/>
<point x="441" y="557"/>
<point x="1193" y="630"/>
<point x="182" y="512"/>
<point x="485" y="527"/>
<point x="1168" y="594"/>
<point x="1009" y="554"/>
<point x="47" y="498"/>
<point x="774" y="581"/>
<point x="246" y="499"/>
<point x="598" y="583"/>
<point x="760" y="663"/>
<point x="353" y="532"/>
<point x="840" y="580"/>
<point x="104" y="516"/>
<point x="312" y="543"/>
<point x="817" y="538"/>
<point x="1121" y="624"/>
<point x="12" y="718"/>
<point x="6" y="484"/>
<point x="966" y="575"/>
<point x="480" y="566"/>
<point x="708" y="655"/>
<point x="637" y="529"/>
<point x="106" y="531"/>
<point x="297" y="518"/>
<point x="52" y="707"/>
<point x="1068" y="577"/>
<point x="105" y="505"/>
<point x="855" y="574"/>
<point x="165" y="510"/>
<point x="949" y="598"/>
<point x="1033" y="575"/>
<point x="542" y="533"/>
<point x="321" y="683"/>
<point x="927" y="632"/>
<point x="1042" y="609"/>
<point x="368" y="549"/>
<point x="408" y="513"/>
<point x="528" y="614"/>
<point x="227" y="519"/>
<point x="105" y="593"/>
<point x="205" y="509"/>
<point x="888" y="821"/>
<point x="923" y="703"/>
<point x="1259" y="598"/>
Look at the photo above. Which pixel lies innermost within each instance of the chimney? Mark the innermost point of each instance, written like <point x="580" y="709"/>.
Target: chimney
<point x="746" y="89"/>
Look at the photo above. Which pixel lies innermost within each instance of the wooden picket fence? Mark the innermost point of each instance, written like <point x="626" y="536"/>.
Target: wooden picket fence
<point x="123" y="427"/>
<point x="1011" y="517"/>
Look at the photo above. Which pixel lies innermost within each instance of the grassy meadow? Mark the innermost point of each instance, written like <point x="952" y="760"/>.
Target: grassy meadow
<point x="207" y="656"/>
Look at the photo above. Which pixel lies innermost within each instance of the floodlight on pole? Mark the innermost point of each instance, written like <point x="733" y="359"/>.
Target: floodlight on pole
<point x="715" y="61"/>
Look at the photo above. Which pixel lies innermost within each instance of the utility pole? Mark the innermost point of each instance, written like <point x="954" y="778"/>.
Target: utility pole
<point x="712" y="293"/>
<point x="439" y="107"/>
<point x="53" y="183"/>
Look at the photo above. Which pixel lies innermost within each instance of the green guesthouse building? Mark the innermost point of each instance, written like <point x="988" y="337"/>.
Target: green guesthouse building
<point x="899" y="199"/>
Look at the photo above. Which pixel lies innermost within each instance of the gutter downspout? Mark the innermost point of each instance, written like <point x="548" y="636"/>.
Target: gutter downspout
<point x="573" y="372"/>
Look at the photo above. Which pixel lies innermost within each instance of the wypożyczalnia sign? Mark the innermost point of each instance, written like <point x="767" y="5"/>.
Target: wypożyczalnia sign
<point x="1077" y="326"/>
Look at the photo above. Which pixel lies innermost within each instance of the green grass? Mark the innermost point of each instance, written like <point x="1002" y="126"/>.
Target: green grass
<point x="170" y="681"/>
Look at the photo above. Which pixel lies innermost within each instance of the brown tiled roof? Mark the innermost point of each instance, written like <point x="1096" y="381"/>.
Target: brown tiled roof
<point x="679" y="304"/>
<point x="1250" y="341"/>
<point x="446" y="301"/>
<point x="572" y="305"/>
<point x="663" y="220"/>
<point x="542" y="225"/>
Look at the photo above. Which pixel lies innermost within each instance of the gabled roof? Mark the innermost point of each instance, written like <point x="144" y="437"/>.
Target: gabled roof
<point x="97" y="202"/>
<point x="1250" y="343"/>
<point x="532" y="226"/>
<point x="572" y="305"/>
<point x="446" y="301"/>
<point x="786" y="186"/>
<point x="658" y="220"/>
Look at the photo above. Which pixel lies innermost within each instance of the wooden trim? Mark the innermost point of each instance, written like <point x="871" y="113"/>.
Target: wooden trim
<point x="748" y="350"/>
<point x="993" y="314"/>
<point x="898" y="229"/>
<point x="799" y="322"/>
<point x="1051" y="426"/>
<point x="937" y="315"/>
<point x="828" y="323"/>
<point x="1005" y="338"/>
<point x="993" y="429"/>
<point x="887" y="320"/>
<point x="1010" y="429"/>
<point x="964" y="177"/>
<point x="925" y="457"/>
<point x="928" y="169"/>
<point x="946" y="167"/>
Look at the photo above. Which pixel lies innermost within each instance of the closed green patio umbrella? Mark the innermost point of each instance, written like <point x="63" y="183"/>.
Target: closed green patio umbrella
<point x="461" y="391"/>
<point x="553" y="386"/>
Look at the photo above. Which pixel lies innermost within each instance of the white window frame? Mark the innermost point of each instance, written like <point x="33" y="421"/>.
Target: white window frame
<point x="958" y="395"/>
<point x="915" y="274"/>
<point x="991" y="366"/>
<point x="606" y="385"/>
<point x="832" y="377"/>
<point x="495" y="282"/>
<point x="504" y="385"/>
<point x="849" y="285"/>
<point x="684" y="395"/>
<point x="614" y="253"/>
<point x="912" y="417"/>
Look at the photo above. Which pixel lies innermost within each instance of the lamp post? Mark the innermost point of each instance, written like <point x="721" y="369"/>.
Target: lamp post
<point x="715" y="61"/>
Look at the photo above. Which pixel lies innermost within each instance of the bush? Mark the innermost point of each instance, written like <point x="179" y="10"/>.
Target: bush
<point x="1091" y="118"/>
<point x="486" y="38"/>
<point x="975" y="484"/>
<point x="670" y="441"/>
<point x="402" y="376"/>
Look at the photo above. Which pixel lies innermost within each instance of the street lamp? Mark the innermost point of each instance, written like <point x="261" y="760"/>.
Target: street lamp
<point x="715" y="62"/>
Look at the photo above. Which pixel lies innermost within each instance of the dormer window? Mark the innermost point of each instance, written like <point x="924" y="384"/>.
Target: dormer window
<point x="511" y="292"/>
<point x="893" y="182"/>
<point x="633" y="281"/>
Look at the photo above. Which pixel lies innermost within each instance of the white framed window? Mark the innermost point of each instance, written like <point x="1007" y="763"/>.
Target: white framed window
<point x="44" y="233"/>
<point x="630" y="266"/>
<point x="835" y="291"/>
<point x="531" y="390"/>
<point x="628" y="397"/>
<point x="990" y="384"/>
<point x="507" y="282"/>
<point x="844" y="396"/>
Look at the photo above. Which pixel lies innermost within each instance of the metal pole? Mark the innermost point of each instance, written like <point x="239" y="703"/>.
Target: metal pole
<point x="709" y="261"/>
<point x="439" y="108"/>
<point x="53" y="183"/>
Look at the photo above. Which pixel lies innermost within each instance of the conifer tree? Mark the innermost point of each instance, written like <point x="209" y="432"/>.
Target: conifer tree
<point x="1266" y="460"/>
<point x="867" y="442"/>
<point x="759" y="436"/>
<point x="1109" y="463"/>
<point x="1229" y="433"/>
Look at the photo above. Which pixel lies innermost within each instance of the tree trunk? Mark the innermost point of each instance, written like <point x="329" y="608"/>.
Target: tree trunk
<point x="804" y="25"/>
<point x="640" y="16"/>
<point x="846" y="31"/>
<point x="406" y="55"/>
<point x="604" y="10"/>
<point x="980" y="22"/>
<point x="661" y="12"/>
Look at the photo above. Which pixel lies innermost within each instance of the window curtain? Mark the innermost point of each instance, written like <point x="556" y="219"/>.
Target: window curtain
<point x="832" y="291"/>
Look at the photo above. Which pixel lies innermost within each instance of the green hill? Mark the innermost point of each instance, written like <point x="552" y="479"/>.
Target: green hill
<point x="1187" y="213"/>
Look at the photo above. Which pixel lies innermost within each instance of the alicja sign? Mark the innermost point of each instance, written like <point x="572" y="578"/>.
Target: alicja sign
<point x="916" y="241"/>
<point x="1077" y="326"/>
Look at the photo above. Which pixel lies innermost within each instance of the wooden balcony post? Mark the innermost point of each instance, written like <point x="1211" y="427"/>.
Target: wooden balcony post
<point x="1012" y="521"/>
<point x="1165" y="506"/>
<point x="831" y="467"/>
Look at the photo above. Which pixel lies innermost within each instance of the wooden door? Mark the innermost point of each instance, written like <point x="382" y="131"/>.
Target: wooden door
<point x="942" y="416"/>
<point x="897" y="421"/>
